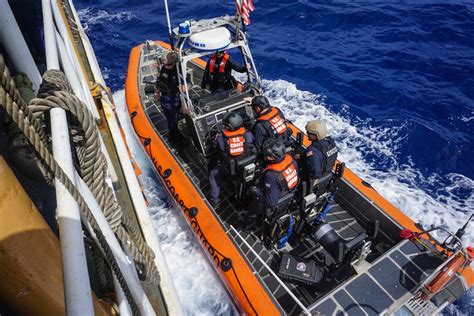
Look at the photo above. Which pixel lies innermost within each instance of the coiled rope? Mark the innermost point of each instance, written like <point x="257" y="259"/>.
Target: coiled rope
<point x="16" y="108"/>
<point x="56" y="92"/>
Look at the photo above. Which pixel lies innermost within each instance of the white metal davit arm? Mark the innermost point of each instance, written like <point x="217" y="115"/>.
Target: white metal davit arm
<point x="126" y="266"/>
<point x="86" y="96"/>
<point x="77" y="288"/>
<point x="15" y="45"/>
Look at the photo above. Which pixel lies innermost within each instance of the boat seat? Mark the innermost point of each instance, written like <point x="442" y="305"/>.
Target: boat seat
<point x="288" y="141"/>
<point x="277" y="221"/>
<point x="320" y="186"/>
<point x="312" y="191"/>
<point x="246" y="167"/>
<point x="242" y="171"/>
<point x="243" y="167"/>
<point x="339" y="248"/>
<point x="282" y="207"/>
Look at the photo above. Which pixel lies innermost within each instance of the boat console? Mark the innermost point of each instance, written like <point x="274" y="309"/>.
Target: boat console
<point x="204" y="110"/>
<point x="209" y="111"/>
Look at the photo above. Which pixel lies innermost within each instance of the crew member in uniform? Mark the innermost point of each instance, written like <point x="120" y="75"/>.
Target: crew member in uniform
<point x="218" y="72"/>
<point x="232" y="143"/>
<point x="321" y="155"/>
<point x="271" y="123"/>
<point x="168" y="90"/>
<point x="279" y="178"/>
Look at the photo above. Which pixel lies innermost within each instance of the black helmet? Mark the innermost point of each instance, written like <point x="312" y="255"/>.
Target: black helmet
<point x="260" y="101"/>
<point x="274" y="149"/>
<point x="233" y="121"/>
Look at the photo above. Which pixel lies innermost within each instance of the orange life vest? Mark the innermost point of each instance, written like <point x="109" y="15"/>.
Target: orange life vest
<point x="287" y="170"/>
<point x="235" y="141"/>
<point x="212" y="63"/>
<point x="274" y="122"/>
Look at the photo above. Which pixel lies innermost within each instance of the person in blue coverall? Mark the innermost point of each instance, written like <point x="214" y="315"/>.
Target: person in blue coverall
<point x="167" y="88"/>
<point x="279" y="178"/>
<point x="271" y="122"/>
<point x="320" y="156"/>
<point x="232" y="143"/>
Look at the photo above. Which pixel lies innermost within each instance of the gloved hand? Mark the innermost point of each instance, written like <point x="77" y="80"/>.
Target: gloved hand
<point x="248" y="99"/>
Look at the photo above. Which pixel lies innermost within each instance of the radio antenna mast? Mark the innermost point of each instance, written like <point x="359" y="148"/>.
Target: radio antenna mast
<point x="170" y="31"/>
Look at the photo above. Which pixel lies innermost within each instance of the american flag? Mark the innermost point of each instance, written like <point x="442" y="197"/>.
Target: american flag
<point x="244" y="7"/>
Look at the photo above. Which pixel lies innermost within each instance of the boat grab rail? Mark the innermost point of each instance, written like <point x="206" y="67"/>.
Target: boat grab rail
<point x="297" y="301"/>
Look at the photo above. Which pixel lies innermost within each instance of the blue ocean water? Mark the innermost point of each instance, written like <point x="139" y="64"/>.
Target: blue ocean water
<point x="394" y="81"/>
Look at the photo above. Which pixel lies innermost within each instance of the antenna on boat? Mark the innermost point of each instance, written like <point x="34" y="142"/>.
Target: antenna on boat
<point x="170" y="31"/>
<point x="461" y="231"/>
<point x="459" y="234"/>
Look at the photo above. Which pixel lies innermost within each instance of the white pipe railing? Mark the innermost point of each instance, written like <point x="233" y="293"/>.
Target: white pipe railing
<point x="52" y="59"/>
<point x="283" y="285"/>
<point x="15" y="45"/>
<point x="77" y="288"/>
<point x="60" y="23"/>
<point x="76" y="277"/>
<point x="88" y="48"/>
<point x="124" y="308"/>
<point x="125" y="265"/>
<point x="69" y="69"/>
<point x="77" y="79"/>
<point x="167" y="285"/>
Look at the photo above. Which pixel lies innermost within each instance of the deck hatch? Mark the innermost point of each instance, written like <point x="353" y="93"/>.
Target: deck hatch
<point x="327" y="307"/>
<point x="408" y="267"/>
<point x="369" y="295"/>
<point x="391" y="278"/>
<point x="348" y="304"/>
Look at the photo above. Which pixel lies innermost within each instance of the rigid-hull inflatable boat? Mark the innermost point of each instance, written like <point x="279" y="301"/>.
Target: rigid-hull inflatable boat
<point x="346" y="250"/>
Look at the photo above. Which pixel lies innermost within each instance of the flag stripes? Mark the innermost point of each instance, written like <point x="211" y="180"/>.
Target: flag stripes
<point x="244" y="7"/>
